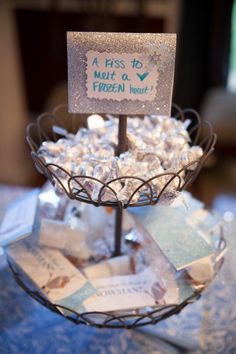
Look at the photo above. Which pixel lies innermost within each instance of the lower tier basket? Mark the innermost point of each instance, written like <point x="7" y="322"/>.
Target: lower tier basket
<point x="125" y="319"/>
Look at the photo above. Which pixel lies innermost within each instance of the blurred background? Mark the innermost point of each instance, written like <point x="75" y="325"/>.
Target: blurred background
<point x="33" y="72"/>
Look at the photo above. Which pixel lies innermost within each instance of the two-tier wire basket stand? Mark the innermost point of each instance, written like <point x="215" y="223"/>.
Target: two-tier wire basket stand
<point x="75" y="187"/>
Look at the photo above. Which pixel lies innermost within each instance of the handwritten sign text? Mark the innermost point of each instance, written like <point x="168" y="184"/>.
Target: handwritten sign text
<point x="120" y="76"/>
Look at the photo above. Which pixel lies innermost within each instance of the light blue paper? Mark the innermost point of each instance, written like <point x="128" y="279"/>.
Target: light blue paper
<point x="18" y="220"/>
<point x="181" y="243"/>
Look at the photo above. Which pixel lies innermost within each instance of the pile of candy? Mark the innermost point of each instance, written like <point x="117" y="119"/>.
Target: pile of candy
<point x="156" y="145"/>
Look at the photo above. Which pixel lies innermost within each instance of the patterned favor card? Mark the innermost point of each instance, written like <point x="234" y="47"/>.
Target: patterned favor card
<point x="57" y="278"/>
<point x="120" y="73"/>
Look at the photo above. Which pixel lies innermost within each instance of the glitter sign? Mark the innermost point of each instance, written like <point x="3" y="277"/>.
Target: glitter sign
<point x="120" y="73"/>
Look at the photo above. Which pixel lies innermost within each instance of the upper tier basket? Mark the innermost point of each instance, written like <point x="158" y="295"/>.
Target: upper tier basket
<point x="76" y="186"/>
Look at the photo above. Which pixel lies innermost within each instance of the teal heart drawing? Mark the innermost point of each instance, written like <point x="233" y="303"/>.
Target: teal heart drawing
<point x="142" y="76"/>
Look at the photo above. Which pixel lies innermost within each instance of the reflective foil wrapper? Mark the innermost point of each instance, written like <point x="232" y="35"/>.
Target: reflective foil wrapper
<point x="158" y="148"/>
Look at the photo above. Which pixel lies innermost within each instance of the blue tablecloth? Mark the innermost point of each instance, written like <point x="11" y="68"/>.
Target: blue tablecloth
<point x="26" y="327"/>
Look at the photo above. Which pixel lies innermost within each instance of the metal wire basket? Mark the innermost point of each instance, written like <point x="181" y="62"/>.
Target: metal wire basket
<point x="125" y="319"/>
<point x="75" y="186"/>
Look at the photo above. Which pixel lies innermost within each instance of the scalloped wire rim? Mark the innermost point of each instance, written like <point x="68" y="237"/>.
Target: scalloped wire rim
<point x="76" y="185"/>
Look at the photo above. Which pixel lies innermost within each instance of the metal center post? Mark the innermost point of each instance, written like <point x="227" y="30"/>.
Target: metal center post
<point x="121" y="147"/>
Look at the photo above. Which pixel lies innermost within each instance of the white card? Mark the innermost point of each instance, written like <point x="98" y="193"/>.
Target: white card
<point x="126" y="292"/>
<point x="129" y="76"/>
<point x="19" y="218"/>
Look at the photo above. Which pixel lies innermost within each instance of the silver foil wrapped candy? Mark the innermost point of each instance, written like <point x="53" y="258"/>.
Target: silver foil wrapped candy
<point x="157" y="145"/>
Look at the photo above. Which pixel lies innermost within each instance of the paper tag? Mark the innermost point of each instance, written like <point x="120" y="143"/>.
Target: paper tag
<point x="120" y="73"/>
<point x="19" y="218"/>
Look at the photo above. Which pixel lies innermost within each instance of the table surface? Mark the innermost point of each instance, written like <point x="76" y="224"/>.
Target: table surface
<point x="26" y="327"/>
